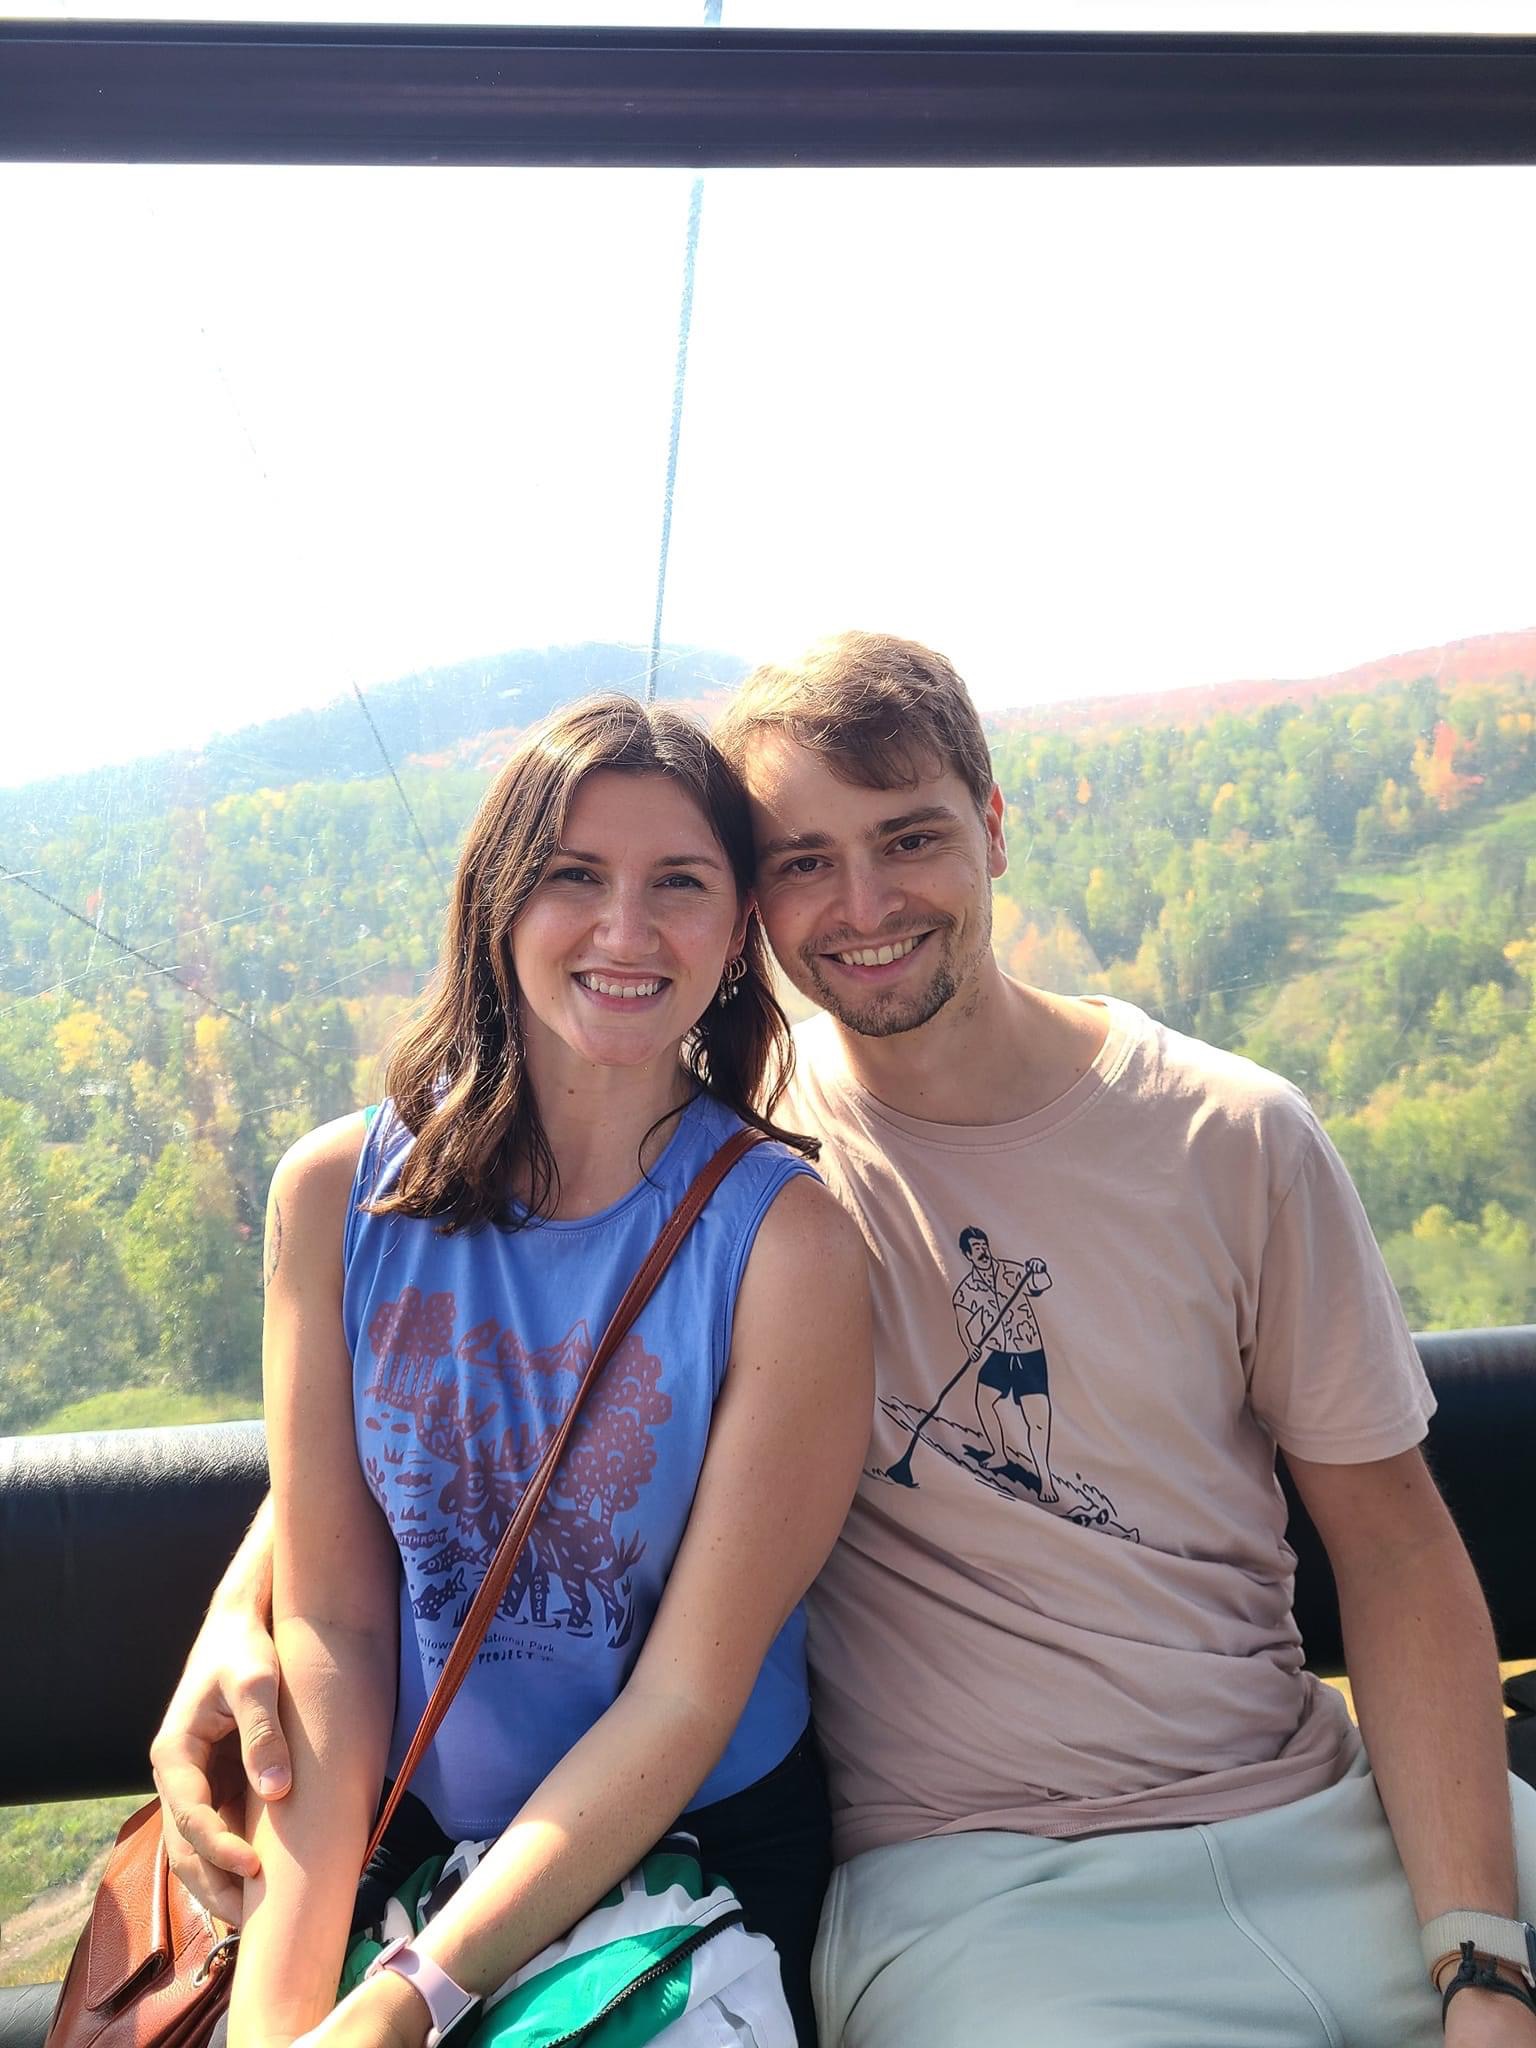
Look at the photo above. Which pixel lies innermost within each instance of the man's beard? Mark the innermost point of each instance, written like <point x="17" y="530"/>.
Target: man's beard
<point x="884" y="1013"/>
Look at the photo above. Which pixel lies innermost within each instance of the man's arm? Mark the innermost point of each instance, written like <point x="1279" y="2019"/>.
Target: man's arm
<point x="223" y="1715"/>
<point x="1424" y="1672"/>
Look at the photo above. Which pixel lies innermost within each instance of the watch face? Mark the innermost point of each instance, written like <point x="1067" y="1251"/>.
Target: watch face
<point x="466" y="2012"/>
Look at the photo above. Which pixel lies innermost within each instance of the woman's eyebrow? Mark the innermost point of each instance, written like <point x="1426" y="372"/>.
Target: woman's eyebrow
<point x="667" y="860"/>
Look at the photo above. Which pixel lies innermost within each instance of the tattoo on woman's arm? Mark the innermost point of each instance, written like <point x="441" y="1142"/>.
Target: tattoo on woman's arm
<point x="274" y="1244"/>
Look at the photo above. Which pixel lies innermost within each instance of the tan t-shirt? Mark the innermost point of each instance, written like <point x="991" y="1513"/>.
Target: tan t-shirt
<point x="1076" y="1617"/>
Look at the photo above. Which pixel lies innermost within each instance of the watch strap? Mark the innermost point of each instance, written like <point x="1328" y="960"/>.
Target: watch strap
<point x="446" y="2001"/>
<point x="1491" y="1935"/>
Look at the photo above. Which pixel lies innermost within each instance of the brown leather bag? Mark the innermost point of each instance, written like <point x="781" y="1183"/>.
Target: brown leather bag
<point x="152" y="1969"/>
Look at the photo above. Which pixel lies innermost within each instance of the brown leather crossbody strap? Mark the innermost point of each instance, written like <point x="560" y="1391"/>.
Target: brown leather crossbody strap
<point x="515" y="1535"/>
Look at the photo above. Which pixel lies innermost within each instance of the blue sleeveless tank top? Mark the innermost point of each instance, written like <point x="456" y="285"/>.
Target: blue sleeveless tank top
<point x="466" y="1352"/>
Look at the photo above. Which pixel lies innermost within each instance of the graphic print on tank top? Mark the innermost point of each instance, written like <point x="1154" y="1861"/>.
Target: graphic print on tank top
<point x="464" y="1422"/>
<point x="1005" y="1372"/>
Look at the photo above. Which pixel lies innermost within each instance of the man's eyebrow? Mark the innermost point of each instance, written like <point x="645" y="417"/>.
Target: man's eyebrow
<point x="796" y="842"/>
<point x="929" y="814"/>
<point x="818" y="842"/>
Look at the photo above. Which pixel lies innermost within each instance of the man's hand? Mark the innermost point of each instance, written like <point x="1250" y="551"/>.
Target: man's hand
<point x="1482" y="2019"/>
<point x="220" y="1730"/>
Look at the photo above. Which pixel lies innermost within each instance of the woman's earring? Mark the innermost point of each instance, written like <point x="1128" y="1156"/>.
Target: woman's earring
<point x="730" y="982"/>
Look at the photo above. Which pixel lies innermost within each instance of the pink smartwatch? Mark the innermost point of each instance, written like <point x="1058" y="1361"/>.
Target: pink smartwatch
<point x="445" y="2001"/>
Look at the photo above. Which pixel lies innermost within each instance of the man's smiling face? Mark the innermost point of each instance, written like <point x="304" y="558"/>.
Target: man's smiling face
<point x="878" y="902"/>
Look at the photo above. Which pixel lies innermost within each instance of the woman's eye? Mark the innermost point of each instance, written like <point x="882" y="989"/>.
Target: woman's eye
<point x="569" y="875"/>
<point x="681" y="882"/>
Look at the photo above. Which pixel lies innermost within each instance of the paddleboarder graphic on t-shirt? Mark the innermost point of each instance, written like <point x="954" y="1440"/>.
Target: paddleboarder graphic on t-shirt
<point x="993" y="1307"/>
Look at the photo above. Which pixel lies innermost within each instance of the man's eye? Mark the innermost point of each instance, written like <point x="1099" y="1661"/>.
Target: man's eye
<point x="913" y="842"/>
<point x="802" y="864"/>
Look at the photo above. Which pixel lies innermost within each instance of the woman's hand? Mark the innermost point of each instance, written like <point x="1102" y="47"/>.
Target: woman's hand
<point x="383" y="2012"/>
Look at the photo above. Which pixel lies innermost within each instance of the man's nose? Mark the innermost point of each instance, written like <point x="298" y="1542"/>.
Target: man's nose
<point x="870" y="896"/>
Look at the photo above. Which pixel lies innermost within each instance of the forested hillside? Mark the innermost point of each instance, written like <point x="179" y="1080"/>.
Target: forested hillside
<point x="415" y="716"/>
<point x="1346" y="893"/>
<point x="1346" y="890"/>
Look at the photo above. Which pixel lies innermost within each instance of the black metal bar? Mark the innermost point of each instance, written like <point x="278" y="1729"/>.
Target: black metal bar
<point x="241" y="93"/>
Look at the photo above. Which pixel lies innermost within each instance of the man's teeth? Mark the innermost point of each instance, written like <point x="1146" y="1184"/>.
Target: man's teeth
<point x="600" y="986"/>
<point x="880" y="956"/>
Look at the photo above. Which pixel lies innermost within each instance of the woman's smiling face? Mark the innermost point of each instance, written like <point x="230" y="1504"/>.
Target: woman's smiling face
<point x="620" y="948"/>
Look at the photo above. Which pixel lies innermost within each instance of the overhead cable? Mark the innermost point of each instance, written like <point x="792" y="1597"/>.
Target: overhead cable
<point x="122" y="945"/>
<point x="712" y="11"/>
<point x="421" y="837"/>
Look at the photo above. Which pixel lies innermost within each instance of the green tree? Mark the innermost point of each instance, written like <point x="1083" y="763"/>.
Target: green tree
<point x="194" y="1264"/>
<point x="68" y="1322"/>
<point x="1453" y="1275"/>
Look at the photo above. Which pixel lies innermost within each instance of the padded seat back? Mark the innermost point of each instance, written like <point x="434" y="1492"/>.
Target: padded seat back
<point x="111" y="1544"/>
<point x="1482" y="1449"/>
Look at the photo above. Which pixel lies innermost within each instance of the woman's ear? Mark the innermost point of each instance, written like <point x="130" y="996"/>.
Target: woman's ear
<point x="739" y="931"/>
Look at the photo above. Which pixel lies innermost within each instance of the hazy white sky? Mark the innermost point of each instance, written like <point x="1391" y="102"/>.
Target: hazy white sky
<point x="270" y="431"/>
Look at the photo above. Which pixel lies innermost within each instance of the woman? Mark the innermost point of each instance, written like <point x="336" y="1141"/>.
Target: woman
<point x="437" y="1276"/>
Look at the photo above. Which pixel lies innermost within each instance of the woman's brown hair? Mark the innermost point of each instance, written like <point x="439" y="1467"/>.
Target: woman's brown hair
<point x="456" y="1074"/>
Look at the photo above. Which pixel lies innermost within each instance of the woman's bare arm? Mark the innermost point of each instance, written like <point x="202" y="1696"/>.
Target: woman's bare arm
<point x="335" y="1576"/>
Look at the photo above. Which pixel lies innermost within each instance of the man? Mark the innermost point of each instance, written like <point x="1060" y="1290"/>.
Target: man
<point x="1084" y="1791"/>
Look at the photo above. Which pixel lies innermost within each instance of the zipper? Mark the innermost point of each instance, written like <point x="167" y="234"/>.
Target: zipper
<point x="695" y="1941"/>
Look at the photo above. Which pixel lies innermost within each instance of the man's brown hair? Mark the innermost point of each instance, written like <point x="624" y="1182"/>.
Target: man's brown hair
<point x="878" y="710"/>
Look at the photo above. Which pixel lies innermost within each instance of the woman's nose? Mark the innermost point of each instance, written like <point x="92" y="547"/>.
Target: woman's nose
<point x="625" y="927"/>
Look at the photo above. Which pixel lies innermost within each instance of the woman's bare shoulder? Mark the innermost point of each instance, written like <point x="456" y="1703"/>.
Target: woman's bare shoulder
<point x="805" y="1221"/>
<point x="323" y="1158"/>
<point x="808" y="1270"/>
<point x="312" y="1192"/>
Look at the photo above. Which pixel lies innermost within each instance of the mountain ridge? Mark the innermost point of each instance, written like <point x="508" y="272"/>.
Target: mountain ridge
<point x="1479" y="658"/>
<point x="445" y="718"/>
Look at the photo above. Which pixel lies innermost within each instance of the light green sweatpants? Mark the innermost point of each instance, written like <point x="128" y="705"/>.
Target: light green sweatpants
<point x="1288" y="1929"/>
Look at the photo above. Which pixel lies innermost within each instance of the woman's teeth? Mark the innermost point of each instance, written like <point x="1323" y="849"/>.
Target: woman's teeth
<point x="601" y="987"/>
<point x="880" y="956"/>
